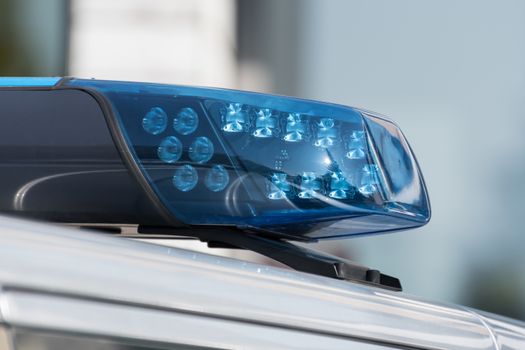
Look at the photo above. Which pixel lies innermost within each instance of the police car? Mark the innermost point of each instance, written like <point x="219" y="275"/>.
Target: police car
<point x="229" y="168"/>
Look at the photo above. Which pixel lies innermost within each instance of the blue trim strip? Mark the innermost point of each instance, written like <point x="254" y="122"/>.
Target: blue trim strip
<point x="28" y="81"/>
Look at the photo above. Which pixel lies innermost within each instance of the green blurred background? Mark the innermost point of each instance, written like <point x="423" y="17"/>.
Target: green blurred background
<point x="451" y="73"/>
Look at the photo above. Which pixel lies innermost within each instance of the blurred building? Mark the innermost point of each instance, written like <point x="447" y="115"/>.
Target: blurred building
<point x="182" y="42"/>
<point x="450" y="73"/>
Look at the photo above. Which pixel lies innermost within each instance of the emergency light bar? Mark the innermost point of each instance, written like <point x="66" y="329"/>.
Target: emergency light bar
<point x="90" y="151"/>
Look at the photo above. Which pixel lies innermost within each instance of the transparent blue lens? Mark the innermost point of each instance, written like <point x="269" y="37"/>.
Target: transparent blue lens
<point x="356" y="145"/>
<point x="186" y="121"/>
<point x="326" y="133"/>
<point x="301" y="168"/>
<point x="265" y="124"/>
<point x="235" y="118"/>
<point x="201" y="150"/>
<point x="170" y="149"/>
<point x="278" y="186"/>
<point x="309" y="185"/>
<point x="217" y="178"/>
<point x="296" y="128"/>
<point x="185" y="178"/>
<point x="155" y="121"/>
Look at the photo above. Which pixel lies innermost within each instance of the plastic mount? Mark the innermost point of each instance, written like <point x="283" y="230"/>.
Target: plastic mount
<point x="294" y="256"/>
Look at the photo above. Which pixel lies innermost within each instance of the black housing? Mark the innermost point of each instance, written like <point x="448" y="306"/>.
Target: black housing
<point x="59" y="162"/>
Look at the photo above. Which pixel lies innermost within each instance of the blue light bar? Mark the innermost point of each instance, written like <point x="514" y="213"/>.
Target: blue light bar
<point x="291" y="166"/>
<point x="29" y="81"/>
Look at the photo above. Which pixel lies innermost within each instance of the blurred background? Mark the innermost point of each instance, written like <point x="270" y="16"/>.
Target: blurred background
<point x="451" y="73"/>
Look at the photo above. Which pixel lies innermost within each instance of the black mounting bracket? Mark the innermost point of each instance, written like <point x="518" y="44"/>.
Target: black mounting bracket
<point x="291" y="255"/>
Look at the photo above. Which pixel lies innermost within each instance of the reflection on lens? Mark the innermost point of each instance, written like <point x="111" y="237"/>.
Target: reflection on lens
<point x="155" y="121"/>
<point x="186" y="121"/>
<point x="217" y="178"/>
<point x="170" y="149"/>
<point x="201" y="150"/>
<point x="185" y="178"/>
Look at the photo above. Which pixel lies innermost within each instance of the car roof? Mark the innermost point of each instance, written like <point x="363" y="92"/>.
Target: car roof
<point x="66" y="261"/>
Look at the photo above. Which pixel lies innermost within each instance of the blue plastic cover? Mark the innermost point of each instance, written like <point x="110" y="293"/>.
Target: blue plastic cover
<point x="297" y="167"/>
<point x="28" y="81"/>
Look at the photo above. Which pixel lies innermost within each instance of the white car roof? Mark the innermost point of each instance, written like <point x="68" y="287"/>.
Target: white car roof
<point x="64" y="261"/>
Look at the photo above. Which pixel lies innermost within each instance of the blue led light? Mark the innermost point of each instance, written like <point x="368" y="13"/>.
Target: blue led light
<point x="155" y="121"/>
<point x="369" y="181"/>
<point x="326" y="133"/>
<point x="338" y="186"/>
<point x="296" y="128"/>
<point x="201" y="150"/>
<point x="356" y="145"/>
<point x="278" y="186"/>
<point x="185" y="178"/>
<point x="289" y="166"/>
<point x="217" y="178"/>
<point x="170" y="149"/>
<point x="235" y="119"/>
<point x="186" y="121"/>
<point x="309" y="185"/>
<point x="265" y="123"/>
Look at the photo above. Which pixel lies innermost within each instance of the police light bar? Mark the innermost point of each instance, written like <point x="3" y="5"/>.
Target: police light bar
<point x="91" y="151"/>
